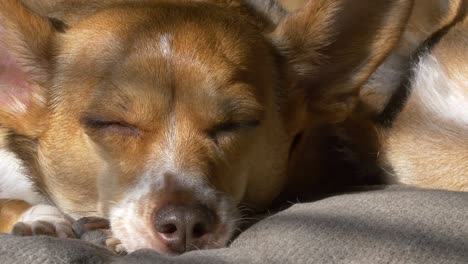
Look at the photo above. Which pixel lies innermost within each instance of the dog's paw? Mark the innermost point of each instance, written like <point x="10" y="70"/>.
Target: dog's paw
<point x="43" y="219"/>
<point x="96" y="230"/>
<point x="86" y="225"/>
<point x="115" y="245"/>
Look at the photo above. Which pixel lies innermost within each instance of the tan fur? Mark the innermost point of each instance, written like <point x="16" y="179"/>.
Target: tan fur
<point x="425" y="145"/>
<point x="10" y="213"/>
<point x="329" y="86"/>
<point x="3" y="134"/>
<point x="218" y="96"/>
<point x="292" y="5"/>
<point x="31" y="27"/>
<point x="426" y="18"/>
<point x="424" y="149"/>
<point x="451" y="52"/>
<point x="419" y="149"/>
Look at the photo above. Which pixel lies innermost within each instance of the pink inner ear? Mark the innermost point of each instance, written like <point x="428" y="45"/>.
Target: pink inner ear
<point x="16" y="90"/>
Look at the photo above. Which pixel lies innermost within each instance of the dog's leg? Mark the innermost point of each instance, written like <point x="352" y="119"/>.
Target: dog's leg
<point x="10" y="213"/>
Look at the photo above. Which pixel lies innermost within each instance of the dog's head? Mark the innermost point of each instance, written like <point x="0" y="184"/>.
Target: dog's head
<point x="164" y="116"/>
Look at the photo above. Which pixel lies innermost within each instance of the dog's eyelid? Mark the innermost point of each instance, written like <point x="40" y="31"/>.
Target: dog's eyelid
<point x="235" y="124"/>
<point x="98" y="123"/>
<point x="231" y="126"/>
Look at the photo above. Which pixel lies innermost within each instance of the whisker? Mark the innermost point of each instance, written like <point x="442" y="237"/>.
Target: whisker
<point x="115" y="203"/>
<point x="243" y="220"/>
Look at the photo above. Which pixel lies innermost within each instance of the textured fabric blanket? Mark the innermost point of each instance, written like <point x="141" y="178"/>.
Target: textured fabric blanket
<point x="391" y="225"/>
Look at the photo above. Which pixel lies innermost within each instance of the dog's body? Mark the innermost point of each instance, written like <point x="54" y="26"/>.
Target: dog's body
<point x="420" y="100"/>
<point x="409" y="126"/>
<point x="172" y="113"/>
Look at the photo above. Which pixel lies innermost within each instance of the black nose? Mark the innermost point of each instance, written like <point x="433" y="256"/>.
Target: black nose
<point x="183" y="228"/>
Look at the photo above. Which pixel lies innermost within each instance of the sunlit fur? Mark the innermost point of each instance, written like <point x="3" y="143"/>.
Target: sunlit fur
<point x="154" y="103"/>
<point x="425" y="144"/>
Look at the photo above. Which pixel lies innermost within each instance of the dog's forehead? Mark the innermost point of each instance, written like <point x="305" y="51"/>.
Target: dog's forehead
<point x="156" y="30"/>
<point x="164" y="46"/>
<point x="151" y="58"/>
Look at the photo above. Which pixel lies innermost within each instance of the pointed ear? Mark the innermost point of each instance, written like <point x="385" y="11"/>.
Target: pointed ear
<point x="24" y="63"/>
<point x="269" y="10"/>
<point x="332" y="47"/>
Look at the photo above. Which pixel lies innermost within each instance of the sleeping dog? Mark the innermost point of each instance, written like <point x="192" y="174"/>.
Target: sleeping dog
<point x="167" y="116"/>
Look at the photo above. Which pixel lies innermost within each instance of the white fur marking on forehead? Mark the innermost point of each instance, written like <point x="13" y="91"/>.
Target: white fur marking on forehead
<point x="439" y="94"/>
<point x="165" y="45"/>
<point x="14" y="184"/>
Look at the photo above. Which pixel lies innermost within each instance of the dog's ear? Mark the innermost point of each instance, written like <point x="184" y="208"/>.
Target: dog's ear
<point x="333" y="46"/>
<point x="270" y="10"/>
<point x="24" y="61"/>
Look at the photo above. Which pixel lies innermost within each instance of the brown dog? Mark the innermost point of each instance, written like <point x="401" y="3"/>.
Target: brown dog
<point x="164" y="116"/>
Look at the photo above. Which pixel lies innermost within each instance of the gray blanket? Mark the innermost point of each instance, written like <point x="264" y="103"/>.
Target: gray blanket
<point x="392" y="225"/>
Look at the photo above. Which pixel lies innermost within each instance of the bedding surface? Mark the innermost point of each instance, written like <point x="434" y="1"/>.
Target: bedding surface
<point x="388" y="225"/>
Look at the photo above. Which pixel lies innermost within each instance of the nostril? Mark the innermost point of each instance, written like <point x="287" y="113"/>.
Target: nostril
<point x="184" y="227"/>
<point x="199" y="230"/>
<point x="167" y="229"/>
<point x="169" y="221"/>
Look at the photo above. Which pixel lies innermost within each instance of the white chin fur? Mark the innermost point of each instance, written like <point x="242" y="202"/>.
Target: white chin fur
<point x="14" y="184"/>
<point x="131" y="219"/>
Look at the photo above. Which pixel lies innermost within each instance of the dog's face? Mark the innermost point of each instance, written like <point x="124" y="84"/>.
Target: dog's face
<point x="164" y="117"/>
<point x="173" y="109"/>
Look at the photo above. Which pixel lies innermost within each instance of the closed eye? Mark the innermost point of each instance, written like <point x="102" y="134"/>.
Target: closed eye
<point x="112" y="126"/>
<point x="230" y="127"/>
